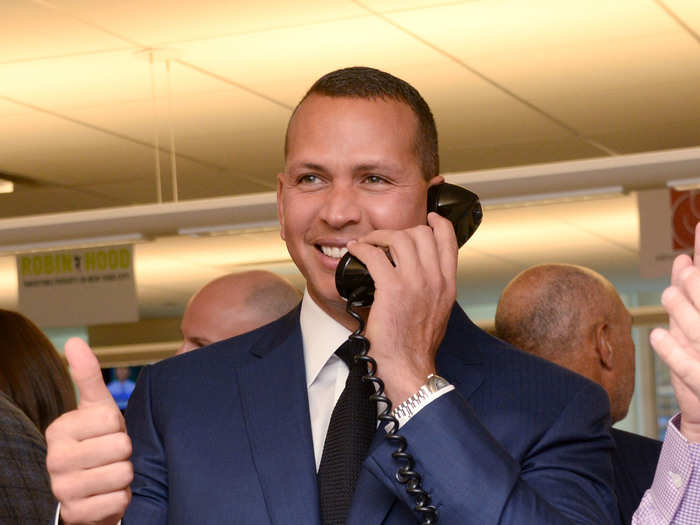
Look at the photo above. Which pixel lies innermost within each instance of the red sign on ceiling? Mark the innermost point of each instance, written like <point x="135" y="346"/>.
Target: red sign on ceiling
<point x="685" y="214"/>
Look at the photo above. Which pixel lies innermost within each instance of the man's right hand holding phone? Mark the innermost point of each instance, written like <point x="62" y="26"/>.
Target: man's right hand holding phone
<point x="88" y="449"/>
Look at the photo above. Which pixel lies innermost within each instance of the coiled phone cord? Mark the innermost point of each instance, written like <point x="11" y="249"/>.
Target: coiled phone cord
<point x="406" y="475"/>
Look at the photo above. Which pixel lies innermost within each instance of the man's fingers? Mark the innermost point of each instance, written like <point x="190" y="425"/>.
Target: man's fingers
<point x="83" y="484"/>
<point x="446" y="244"/>
<point x="97" y="509"/>
<point x="86" y="373"/>
<point x="683" y="362"/>
<point x="378" y="264"/>
<point x="685" y="316"/>
<point x="66" y="456"/>
<point x="680" y="263"/>
<point x="696" y="251"/>
<point x="690" y="285"/>
<point x="78" y="425"/>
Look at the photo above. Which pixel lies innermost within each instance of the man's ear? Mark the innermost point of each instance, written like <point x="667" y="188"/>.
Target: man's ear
<point x="603" y="346"/>
<point x="280" y="204"/>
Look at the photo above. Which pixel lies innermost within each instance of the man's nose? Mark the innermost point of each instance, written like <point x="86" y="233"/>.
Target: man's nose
<point x="341" y="207"/>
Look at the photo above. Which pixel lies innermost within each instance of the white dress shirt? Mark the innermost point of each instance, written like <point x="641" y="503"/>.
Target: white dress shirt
<point x="326" y="373"/>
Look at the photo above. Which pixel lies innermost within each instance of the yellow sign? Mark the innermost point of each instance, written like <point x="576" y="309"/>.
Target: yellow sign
<point x="78" y="287"/>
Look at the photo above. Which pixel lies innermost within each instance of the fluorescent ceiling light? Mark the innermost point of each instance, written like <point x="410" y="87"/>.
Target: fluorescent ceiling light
<point x="69" y="244"/>
<point x="684" y="184"/>
<point x="6" y="186"/>
<point x="230" y="229"/>
<point x="554" y="198"/>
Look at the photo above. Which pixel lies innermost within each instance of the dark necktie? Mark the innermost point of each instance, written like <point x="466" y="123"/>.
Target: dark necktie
<point x="350" y="432"/>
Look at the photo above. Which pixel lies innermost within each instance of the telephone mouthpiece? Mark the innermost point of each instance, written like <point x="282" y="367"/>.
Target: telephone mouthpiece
<point x="353" y="281"/>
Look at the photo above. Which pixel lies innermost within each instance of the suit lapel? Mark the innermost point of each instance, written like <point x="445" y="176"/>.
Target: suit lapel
<point x="275" y="407"/>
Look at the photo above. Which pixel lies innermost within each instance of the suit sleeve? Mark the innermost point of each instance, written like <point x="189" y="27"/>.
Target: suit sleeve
<point x="564" y="479"/>
<point x="149" y="489"/>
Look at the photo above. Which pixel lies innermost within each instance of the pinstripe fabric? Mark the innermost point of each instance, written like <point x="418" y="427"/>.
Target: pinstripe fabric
<point x="25" y="494"/>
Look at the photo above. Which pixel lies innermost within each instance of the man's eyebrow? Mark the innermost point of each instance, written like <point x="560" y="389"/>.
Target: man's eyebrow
<point x="370" y="166"/>
<point x="309" y="166"/>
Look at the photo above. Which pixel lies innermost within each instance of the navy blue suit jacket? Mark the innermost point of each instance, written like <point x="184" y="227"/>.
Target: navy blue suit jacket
<point x="634" y="464"/>
<point x="222" y="435"/>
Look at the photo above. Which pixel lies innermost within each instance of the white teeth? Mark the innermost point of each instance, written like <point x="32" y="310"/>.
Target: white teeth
<point x="334" y="251"/>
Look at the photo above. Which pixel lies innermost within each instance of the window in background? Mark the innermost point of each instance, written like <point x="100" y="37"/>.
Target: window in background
<point x="666" y="404"/>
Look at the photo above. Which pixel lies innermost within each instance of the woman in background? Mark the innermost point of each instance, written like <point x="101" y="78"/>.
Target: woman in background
<point x="35" y="388"/>
<point x="32" y="374"/>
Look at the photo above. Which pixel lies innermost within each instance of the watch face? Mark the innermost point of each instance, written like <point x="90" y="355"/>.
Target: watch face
<point x="436" y="383"/>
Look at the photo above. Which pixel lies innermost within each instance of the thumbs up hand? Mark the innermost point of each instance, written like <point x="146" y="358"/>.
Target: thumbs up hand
<point x="88" y="449"/>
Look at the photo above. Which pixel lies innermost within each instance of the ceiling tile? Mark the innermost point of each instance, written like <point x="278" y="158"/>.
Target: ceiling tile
<point x="217" y="127"/>
<point x="46" y="148"/>
<point x="458" y="156"/>
<point x="286" y="72"/>
<point x="181" y="20"/>
<point x="575" y="61"/>
<point x="688" y="11"/>
<point x="49" y="200"/>
<point x="519" y="29"/>
<point x="653" y="136"/>
<point x="29" y="31"/>
<point x="387" y="6"/>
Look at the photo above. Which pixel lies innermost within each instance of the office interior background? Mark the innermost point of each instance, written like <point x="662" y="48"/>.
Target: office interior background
<point x="161" y="124"/>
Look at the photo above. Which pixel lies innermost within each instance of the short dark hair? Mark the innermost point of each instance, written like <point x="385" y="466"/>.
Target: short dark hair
<point x="32" y="374"/>
<point x="370" y="83"/>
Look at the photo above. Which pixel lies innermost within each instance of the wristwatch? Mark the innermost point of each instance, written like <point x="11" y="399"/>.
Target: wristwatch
<point x="434" y="387"/>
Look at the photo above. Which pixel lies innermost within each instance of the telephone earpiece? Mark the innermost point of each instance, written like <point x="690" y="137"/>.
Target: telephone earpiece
<point x="459" y="205"/>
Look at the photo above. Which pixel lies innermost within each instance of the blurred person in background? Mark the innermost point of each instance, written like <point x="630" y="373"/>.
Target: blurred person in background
<point x="32" y="374"/>
<point x="234" y="304"/>
<point x="35" y="388"/>
<point x="574" y="317"/>
<point x="121" y="386"/>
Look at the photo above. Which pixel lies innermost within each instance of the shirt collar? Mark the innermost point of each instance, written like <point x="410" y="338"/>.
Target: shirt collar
<point x="321" y="335"/>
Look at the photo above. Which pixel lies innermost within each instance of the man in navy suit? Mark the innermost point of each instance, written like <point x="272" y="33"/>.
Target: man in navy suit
<point x="236" y="434"/>
<point x="574" y="317"/>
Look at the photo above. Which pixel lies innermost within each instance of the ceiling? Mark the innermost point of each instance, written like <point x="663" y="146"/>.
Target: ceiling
<point x="511" y="83"/>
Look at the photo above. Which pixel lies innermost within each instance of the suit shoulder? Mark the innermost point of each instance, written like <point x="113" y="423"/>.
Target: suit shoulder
<point x="234" y="351"/>
<point x="512" y="376"/>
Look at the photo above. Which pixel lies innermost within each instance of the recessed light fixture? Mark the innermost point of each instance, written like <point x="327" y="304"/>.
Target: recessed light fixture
<point x="71" y="244"/>
<point x="554" y="198"/>
<point x="6" y="186"/>
<point x="231" y="229"/>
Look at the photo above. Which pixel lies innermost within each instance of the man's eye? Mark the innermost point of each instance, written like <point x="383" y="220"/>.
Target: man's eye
<point x="309" y="179"/>
<point x="374" y="179"/>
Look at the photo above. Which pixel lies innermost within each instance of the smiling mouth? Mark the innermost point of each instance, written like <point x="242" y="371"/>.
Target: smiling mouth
<point x="335" y="252"/>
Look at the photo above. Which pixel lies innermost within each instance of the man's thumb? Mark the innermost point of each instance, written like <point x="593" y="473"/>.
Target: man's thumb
<point x="85" y="371"/>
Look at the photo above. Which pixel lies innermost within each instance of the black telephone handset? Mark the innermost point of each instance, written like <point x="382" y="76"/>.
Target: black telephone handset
<point x="455" y="203"/>
<point x="354" y="284"/>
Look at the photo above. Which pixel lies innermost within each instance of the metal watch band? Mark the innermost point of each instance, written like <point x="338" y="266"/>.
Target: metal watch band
<point x="426" y="393"/>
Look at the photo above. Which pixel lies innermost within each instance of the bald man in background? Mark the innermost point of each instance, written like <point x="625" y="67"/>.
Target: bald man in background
<point x="574" y="317"/>
<point x="234" y="304"/>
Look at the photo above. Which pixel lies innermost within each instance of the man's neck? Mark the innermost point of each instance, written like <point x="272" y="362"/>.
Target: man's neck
<point x="338" y="311"/>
